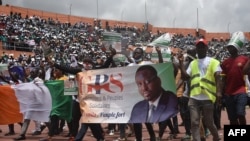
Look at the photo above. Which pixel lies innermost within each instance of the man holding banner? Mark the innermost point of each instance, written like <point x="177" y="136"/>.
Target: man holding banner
<point x="77" y="111"/>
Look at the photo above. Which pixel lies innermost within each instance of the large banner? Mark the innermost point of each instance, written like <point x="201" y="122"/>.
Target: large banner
<point x="112" y="39"/>
<point x="162" y="41"/>
<point x="112" y="95"/>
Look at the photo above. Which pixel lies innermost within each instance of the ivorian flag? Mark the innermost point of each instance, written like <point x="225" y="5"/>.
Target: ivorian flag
<point x="9" y="106"/>
<point x="35" y="101"/>
<point x="61" y="104"/>
<point x="24" y="101"/>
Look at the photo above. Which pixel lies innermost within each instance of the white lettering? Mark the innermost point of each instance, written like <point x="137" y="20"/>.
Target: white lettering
<point x="243" y="131"/>
<point x="235" y="132"/>
<point x="231" y="132"/>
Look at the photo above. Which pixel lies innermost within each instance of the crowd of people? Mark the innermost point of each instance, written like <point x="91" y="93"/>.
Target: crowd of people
<point x="33" y="33"/>
<point x="62" y="48"/>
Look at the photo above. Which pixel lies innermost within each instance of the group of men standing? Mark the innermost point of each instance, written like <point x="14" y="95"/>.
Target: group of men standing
<point x="211" y="80"/>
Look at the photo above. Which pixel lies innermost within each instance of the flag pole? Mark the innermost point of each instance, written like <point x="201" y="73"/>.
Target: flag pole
<point x="197" y="28"/>
<point x="146" y="17"/>
<point x="97" y="8"/>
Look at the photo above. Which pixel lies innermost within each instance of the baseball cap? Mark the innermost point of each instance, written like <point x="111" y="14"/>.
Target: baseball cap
<point x="201" y="41"/>
<point x="237" y="40"/>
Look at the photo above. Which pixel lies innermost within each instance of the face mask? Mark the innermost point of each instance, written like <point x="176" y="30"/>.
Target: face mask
<point x="138" y="60"/>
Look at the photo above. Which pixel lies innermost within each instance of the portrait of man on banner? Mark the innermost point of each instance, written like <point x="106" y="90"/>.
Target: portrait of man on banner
<point x="158" y="104"/>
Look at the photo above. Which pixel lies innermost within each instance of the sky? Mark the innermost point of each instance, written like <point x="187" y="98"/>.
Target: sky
<point x="210" y="15"/>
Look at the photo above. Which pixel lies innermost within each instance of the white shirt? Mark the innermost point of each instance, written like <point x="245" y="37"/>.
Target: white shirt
<point x="155" y="103"/>
<point x="202" y="64"/>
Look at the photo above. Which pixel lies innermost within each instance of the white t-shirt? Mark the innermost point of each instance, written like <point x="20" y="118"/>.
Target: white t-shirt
<point x="202" y="64"/>
<point x="141" y="63"/>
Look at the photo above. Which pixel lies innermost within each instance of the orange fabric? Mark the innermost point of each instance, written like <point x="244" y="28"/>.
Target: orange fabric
<point x="9" y="106"/>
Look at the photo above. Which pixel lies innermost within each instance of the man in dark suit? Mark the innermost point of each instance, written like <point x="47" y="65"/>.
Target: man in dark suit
<point x="163" y="103"/>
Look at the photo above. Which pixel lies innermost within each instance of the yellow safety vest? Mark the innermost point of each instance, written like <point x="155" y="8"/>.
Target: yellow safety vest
<point x="204" y="85"/>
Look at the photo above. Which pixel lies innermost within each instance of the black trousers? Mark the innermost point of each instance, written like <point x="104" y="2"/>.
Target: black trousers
<point x="217" y="115"/>
<point x="11" y="127"/>
<point x="186" y="114"/>
<point x="163" y="125"/>
<point x="95" y="128"/>
<point x="54" y="125"/>
<point x="76" y="116"/>
<point x="138" y="131"/>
